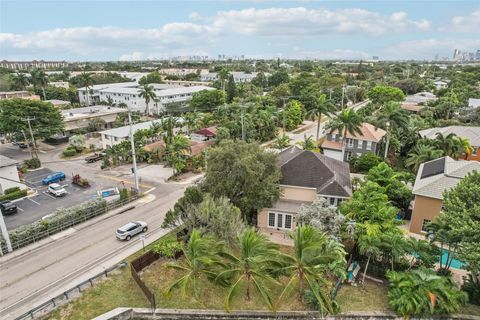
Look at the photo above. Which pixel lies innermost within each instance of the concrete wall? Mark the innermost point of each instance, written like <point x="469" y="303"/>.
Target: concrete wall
<point x="333" y="154"/>
<point x="424" y="208"/>
<point x="10" y="173"/>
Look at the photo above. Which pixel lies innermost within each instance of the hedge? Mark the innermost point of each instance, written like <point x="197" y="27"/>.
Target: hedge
<point x="13" y="195"/>
<point x="10" y="190"/>
<point x="69" y="152"/>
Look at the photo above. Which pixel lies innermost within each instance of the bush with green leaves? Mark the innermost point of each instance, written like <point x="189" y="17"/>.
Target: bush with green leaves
<point x="69" y="152"/>
<point x="168" y="247"/>
<point x="10" y="190"/>
<point x="422" y="292"/>
<point x="365" y="162"/>
<point x="33" y="163"/>
<point x="13" y="195"/>
<point x="471" y="286"/>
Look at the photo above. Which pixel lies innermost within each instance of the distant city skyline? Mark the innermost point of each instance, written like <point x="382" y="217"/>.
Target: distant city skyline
<point x="140" y="30"/>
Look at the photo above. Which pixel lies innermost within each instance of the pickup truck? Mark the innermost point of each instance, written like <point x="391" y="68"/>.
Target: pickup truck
<point x="95" y="157"/>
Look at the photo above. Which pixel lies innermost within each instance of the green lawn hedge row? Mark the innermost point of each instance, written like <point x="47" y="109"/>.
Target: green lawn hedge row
<point x="13" y="195"/>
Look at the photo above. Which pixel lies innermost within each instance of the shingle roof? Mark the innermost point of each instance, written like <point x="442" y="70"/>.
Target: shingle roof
<point x="369" y="133"/>
<point x="314" y="170"/>
<point x="432" y="186"/>
<point x="470" y="133"/>
<point x="6" y="161"/>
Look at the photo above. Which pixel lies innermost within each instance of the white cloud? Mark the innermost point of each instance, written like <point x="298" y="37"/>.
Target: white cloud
<point x="470" y="23"/>
<point x="426" y="49"/>
<point x="134" y="56"/>
<point x="313" y="22"/>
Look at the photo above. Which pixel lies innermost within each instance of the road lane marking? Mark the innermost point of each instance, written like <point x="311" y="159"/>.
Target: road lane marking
<point x="20" y="209"/>
<point x="33" y="201"/>
<point x="47" y="194"/>
<point x="150" y="190"/>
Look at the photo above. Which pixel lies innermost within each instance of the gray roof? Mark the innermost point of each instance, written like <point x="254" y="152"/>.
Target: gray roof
<point x="474" y="103"/>
<point x="470" y="133"/>
<point x="6" y="161"/>
<point x="314" y="170"/>
<point x="443" y="178"/>
<point x="123" y="132"/>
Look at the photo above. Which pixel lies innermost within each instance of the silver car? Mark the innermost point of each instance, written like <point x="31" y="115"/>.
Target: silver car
<point x="127" y="231"/>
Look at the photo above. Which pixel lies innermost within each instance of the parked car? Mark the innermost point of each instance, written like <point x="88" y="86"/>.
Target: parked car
<point x="53" y="177"/>
<point x="57" y="190"/>
<point x="23" y="144"/>
<point x="95" y="157"/>
<point x="7" y="208"/>
<point x="127" y="231"/>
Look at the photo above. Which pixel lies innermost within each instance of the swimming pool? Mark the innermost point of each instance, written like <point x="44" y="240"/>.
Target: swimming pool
<point x="456" y="264"/>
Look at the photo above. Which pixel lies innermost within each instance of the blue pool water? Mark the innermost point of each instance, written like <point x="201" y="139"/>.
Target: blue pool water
<point x="456" y="264"/>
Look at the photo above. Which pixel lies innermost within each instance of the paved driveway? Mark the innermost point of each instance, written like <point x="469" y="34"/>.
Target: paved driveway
<point x="34" y="208"/>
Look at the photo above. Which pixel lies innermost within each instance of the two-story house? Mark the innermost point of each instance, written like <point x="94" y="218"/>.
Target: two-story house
<point x="306" y="175"/>
<point x="472" y="134"/>
<point x="433" y="178"/>
<point x="358" y="144"/>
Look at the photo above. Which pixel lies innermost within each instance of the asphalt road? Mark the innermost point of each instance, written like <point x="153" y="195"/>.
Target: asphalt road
<point x="36" y="276"/>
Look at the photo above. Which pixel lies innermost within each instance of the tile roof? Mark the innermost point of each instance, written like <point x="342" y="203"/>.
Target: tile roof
<point x="314" y="170"/>
<point x="208" y="132"/>
<point x="411" y="106"/>
<point x="327" y="144"/>
<point x="433" y="186"/>
<point x="470" y="133"/>
<point x="369" y="133"/>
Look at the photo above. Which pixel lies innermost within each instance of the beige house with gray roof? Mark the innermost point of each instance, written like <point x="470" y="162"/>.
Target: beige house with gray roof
<point x="433" y="178"/>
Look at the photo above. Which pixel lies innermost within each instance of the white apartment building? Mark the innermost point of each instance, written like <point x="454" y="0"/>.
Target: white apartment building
<point x="238" y="77"/>
<point x="59" y="84"/>
<point x="182" y="72"/>
<point x="129" y="93"/>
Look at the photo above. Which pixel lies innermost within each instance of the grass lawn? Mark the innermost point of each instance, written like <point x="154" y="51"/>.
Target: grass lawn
<point x="119" y="290"/>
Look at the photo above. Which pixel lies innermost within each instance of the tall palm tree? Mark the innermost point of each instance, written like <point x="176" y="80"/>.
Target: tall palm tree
<point x="420" y="154"/>
<point x="176" y="151"/>
<point x="315" y="257"/>
<point x="392" y="117"/>
<point x="20" y="80"/>
<point x="346" y="122"/>
<point x="252" y="266"/>
<point x="321" y="107"/>
<point x="368" y="245"/>
<point x="41" y="79"/>
<point x="202" y="255"/>
<point x="86" y="81"/>
<point x="147" y="92"/>
<point x="464" y="144"/>
<point x="447" y="144"/>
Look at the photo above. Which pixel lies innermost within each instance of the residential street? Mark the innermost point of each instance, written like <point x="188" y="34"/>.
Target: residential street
<point x="28" y="278"/>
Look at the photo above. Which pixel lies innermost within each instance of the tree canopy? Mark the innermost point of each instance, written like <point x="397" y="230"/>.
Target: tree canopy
<point x="207" y="100"/>
<point x="382" y="94"/>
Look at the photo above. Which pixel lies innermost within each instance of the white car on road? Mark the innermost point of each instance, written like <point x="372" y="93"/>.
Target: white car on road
<point x="57" y="190"/>
<point x="127" y="231"/>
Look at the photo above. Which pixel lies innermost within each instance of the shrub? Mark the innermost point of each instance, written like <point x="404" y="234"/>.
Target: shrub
<point x="10" y="190"/>
<point x="69" y="152"/>
<point x="33" y="163"/>
<point x="124" y="194"/>
<point x="471" y="286"/>
<point x="365" y="162"/>
<point x="14" y="195"/>
<point x="168" y="247"/>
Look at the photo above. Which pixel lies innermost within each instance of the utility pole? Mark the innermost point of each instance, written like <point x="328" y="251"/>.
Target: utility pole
<point x="31" y="135"/>
<point x="28" y="144"/>
<point x="343" y="94"/>
<point x="387" y="143"/>
<point x="134" y="157"/>
<point x="284" y="109"/>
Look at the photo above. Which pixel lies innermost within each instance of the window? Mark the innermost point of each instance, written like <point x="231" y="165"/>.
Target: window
<point x="280" y="220"/>
<point x="348" y="154"/>
<point x="474" y="151"/>
<point x="334" y="136"/>
<point x="369" y="145"/>
<point x="424" y="224"/>
<point x="350" y="143"/>
<point x="332" y="201"/>
<point x="359" y="144"/>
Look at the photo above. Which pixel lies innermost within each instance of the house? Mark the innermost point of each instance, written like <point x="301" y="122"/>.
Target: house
<point x="472" y="134"/>
<point x="238" y="77"/>
<point x="59" y="84"/>
<point x="18" y="95"/>
<point x="204" y="134"/>
<point x="9" y="174"/>
<point x="306" y="175"/>
<point x="196" y="147"/>
<point x="358" y="145"/>
<point x="439" y="84"/>
<point x="433" y="178"/>
<point x="115" y="136"/>
<point x="473" y="103"/>
<point x="421" y="98"/>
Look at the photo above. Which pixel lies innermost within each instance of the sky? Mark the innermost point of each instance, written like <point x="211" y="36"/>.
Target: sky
<point x="137" y="30"/>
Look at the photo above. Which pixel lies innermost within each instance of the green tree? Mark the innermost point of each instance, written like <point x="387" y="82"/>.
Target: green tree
<point x="20" y="81"/>
<point x="321" y="216"/>
<point x="278" y="78"/>
<point x="308" y="143"/>
<point x="369" y="246"/>
<point x="85" y="80"/>
<point x="47" y="121"/>
<point x="321" y="107"/>
<point x="294" y="115"/>
<point x="40" y="78"/>
<point x="251" y="267"/>
<point x="231" y="89"/>
<point x="316" y="257"/>
<point x="422" y="153"/>
<point x="95" y="124"/>
<point x="176" y="151"/>
<point x="346" y="122"/>
<point x="365" y="162"/>
<point x="245" y="173"/>
<point x="281" y="142"/>
<point x="152" y="77"/>
<point x="202" y="255"/>
<point x="383" y="94"/>
<point x="147" y="92"/>
<point x="207" y="100"/>
<point x="421" y="292"/>
<point x="77" y="141"/>
<point x="174" y="217"/>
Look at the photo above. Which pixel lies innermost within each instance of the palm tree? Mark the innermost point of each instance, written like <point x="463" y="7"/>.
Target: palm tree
<point x="392" y="117"/>
<point x="321" y="107"/>
<point x="346" y="122"/>
<point x="202" y="255"/>
<point x="282" y="141"/>
<point x="176" y="151"/>
<point x="86" y="81"/>
<point x="147" y="92"/>
<point x="252" y="266"/>
<point x="316" y="255"/>
<point x="420" y="154"/>
<point x="368" y="245"/>
<point x="308" y="143"/>
<point x="41" y="79"/>
<point x="191" y="120"/>
<point x="20" y="80"/>
<point x="464" y="144"/>
<point x="447" y="144"/>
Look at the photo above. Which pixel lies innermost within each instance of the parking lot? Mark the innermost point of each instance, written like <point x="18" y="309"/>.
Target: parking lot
<point x="34" y="208"/>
